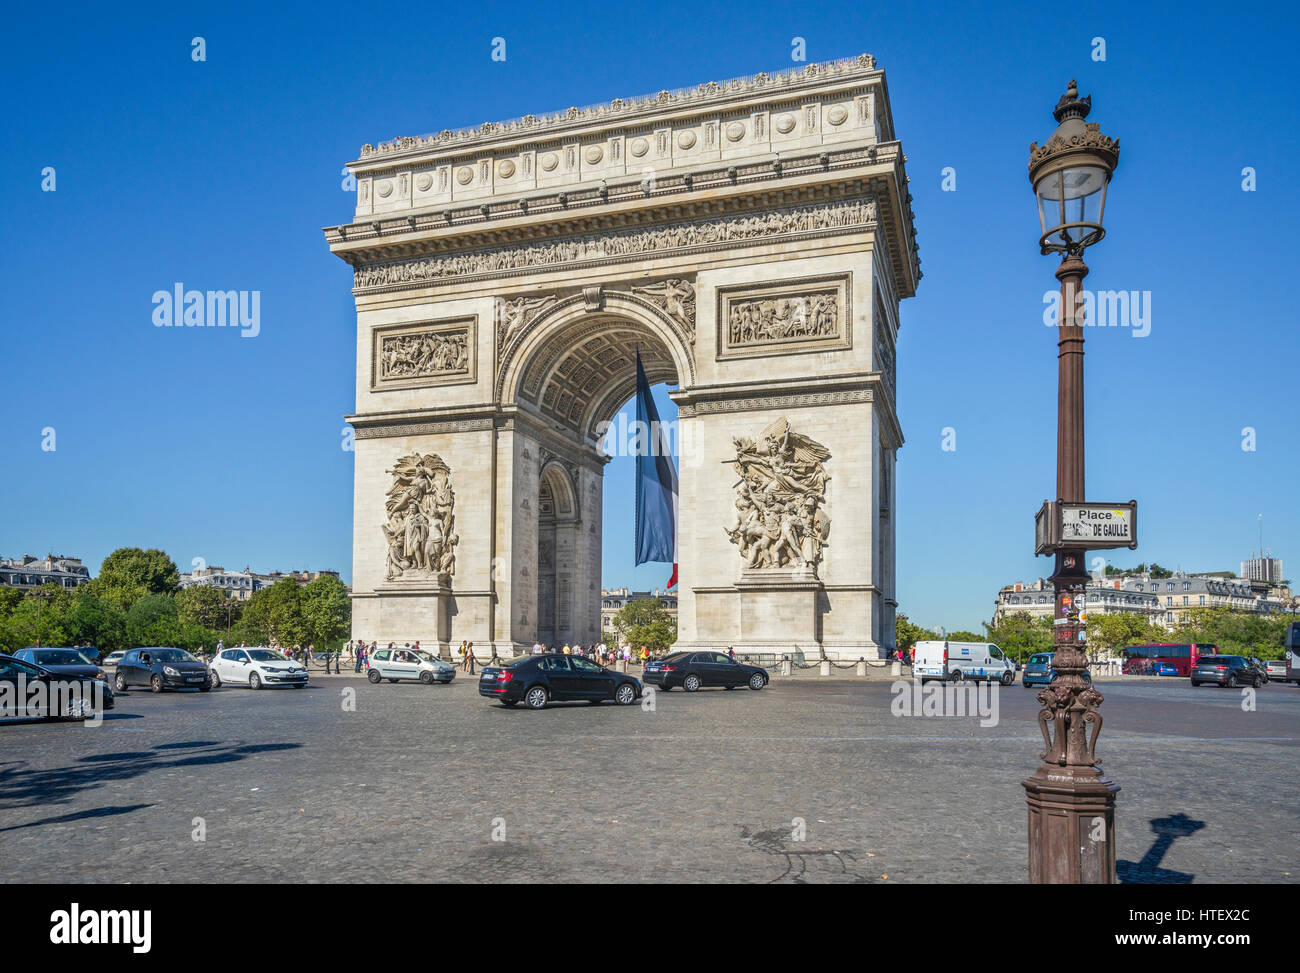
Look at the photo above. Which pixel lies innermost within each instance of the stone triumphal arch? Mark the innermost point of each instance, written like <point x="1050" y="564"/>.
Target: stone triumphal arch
<point x="752" y="240"/>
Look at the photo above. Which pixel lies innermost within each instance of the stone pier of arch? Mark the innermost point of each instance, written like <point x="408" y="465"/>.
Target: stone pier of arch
<point x="752" y="240"/>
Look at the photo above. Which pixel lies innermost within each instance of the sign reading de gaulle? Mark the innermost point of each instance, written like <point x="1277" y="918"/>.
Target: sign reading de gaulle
<point x="1085" y="526"/>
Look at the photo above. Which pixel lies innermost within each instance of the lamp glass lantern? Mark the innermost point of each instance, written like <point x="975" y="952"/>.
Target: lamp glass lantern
<point x="1071" y="206"/>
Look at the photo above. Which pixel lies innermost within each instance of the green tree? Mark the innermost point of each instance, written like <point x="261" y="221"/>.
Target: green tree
<point x="326" y="611"/>
<point x="645" y="621"/>
<point x="93" y="621"/>
<point x="154" y="620"/>
<point x="1019" y="636"/>
<point x="1108" y="634"/>
<point x="906" y="635"/>
<point x="129" y="573"/>
<point x="276" y="613"/>
<point x="206" y="606"/>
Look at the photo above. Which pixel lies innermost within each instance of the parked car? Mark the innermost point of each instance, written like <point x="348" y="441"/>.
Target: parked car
<point x="66" y="662"/>
<point x="256" y="667"/>
<point x="113" y="658"/>
<point x="159" y="668"/>
<point x="540" y="679"/>
<point x="696" y="670"/>
<point x="1276" y="669"/>
<point x="410" y="664"/>
<point x="54" y="695"/>
<point x="1226" y="670"/>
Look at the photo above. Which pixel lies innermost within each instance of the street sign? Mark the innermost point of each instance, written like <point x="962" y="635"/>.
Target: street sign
<point x="1061" y="526"/>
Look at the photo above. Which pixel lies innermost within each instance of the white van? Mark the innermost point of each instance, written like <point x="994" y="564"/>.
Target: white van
<point x="955" y="661"/>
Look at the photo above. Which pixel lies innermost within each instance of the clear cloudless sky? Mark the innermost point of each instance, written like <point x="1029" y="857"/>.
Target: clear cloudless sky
<point x="221" y="174"/>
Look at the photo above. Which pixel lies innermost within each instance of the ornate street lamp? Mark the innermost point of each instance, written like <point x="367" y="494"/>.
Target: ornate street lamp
<point x="1071" y="803"/>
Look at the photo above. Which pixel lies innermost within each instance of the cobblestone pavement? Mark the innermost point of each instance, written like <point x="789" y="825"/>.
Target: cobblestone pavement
<point x="410" y="785"/>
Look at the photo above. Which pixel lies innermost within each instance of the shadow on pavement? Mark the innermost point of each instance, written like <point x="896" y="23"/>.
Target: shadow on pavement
<point x="1148" y="870"/>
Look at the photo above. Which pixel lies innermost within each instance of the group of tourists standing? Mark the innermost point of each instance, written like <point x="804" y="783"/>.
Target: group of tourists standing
<point x="601" y="653"/>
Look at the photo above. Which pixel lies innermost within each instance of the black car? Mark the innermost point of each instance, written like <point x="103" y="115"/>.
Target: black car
<point x="1226" y="670"/>
<point x="161" y="668"/>
<point x="66" y="662"/>
<point x="540" y="679"/>
<point x="52" y="695"/>
<point x="695" y="670"/>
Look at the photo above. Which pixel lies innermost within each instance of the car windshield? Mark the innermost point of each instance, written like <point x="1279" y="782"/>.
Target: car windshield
<point x="423" y="656"/>
<point x="171" y="655"/>
<point x="676" y="657"/>
<point x="61" y="657"/>
<point x="265" y="655"/>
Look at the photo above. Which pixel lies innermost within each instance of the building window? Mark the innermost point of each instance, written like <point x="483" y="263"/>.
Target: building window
<point x="1202" y="599"/>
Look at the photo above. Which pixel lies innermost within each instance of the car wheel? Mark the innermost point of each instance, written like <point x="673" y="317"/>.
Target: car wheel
<point x="206" y="687"/>
<point x="1195" y="683"/>
<point x="691" y="683"/>
<point x="625" y="694"/>
<point x="119" y="683"/>
<point x="756" y="681"/>
<point x="426" y="678"/>
<point x="374" y="676"/>
<point x="536" y="697"/>
<point x="254" y="681"/>
<point x="955" y="675"/>
<point x="213" y="679"/>
<point x="1231" y="682"/>
<point x="1008" y="678"/>
<point x="155" y="684"/>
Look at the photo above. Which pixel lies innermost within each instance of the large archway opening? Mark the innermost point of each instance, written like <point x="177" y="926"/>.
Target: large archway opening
<point x="575" y="381"/>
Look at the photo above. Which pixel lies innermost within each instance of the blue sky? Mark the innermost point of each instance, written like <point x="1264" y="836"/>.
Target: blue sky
<point x="220" y="174"/>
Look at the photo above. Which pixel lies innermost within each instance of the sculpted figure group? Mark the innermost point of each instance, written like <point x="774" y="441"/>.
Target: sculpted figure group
<point x="781" y="520"/>
<point x="421" y="525"/>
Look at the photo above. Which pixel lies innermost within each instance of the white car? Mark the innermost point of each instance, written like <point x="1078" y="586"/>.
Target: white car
<point x="398" y="664"/>
<point x="256" y="667"/>
<point x="113" y="658"/>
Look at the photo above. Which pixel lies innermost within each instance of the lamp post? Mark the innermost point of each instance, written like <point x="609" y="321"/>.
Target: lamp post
<point x="1071" y="803"/>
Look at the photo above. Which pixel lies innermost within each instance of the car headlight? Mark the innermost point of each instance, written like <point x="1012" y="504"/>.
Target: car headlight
<point x="170" y="671"/>
<point x="267" y="669"/>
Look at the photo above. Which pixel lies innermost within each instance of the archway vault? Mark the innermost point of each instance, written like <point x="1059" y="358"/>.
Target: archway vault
<point x="575" y="363"/>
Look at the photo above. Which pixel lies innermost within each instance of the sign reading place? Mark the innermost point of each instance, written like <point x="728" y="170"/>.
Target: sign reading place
<point x="1085" y="526"/>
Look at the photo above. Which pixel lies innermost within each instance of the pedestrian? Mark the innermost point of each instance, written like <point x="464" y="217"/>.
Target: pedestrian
<point x="358" y="653"/>
<point x="469" y="657"/>
<point x="731" y="653"/>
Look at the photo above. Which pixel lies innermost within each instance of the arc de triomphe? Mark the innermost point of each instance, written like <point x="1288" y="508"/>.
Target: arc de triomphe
<point x="752" y="239"/>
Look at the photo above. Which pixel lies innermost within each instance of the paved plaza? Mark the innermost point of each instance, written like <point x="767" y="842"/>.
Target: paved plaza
<point x="412" y="783"/>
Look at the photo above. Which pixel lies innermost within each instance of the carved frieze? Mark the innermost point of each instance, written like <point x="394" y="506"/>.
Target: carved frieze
<point x="786" y="317"/>
<point x="420" y="526"/>
<point x="628" y="244"/>
<point x="428" y="353"/>
<point x="781" y="517"/>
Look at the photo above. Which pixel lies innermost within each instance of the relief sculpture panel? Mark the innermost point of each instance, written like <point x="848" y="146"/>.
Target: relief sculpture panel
<point x="787" y="317"/>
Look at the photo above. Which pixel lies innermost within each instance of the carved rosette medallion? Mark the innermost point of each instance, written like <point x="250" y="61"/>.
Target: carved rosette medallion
<point x="420" y="530"/>
<point x="781" y="516"/>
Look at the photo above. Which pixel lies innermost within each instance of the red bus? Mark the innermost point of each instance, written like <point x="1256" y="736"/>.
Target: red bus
<point x="1148" y="660"/>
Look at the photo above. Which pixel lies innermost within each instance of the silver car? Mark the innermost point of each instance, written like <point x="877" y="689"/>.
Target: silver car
<point x="418" y="665"/>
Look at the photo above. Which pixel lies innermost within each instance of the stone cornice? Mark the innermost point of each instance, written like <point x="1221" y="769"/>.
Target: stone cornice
<point x="714" y="96"/>
<point x="549" y="212"/>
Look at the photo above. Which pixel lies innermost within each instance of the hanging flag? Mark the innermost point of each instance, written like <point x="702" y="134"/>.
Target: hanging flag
<point x="656" y="483"/>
